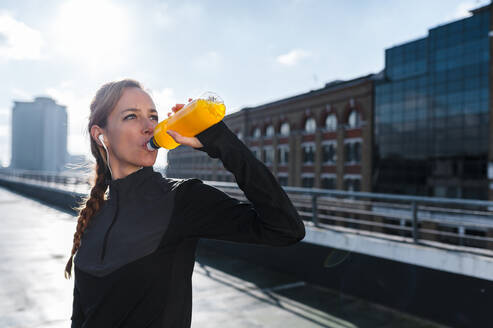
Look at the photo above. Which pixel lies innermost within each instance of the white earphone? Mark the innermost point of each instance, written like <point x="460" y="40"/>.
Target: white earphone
<point x="100" y="137"/>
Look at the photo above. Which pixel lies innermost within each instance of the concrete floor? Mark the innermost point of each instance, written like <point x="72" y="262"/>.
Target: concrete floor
<point x="35" y="243"/>
<point x="230" y="292"/>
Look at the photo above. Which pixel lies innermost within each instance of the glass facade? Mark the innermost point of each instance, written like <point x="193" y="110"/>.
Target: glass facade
<point x="432" y="113"/>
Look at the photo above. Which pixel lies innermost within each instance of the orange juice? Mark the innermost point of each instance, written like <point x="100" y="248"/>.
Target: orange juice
<point x="193" y="118"/>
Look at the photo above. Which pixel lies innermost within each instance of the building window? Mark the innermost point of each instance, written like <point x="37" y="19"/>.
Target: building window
<point x="285" y="129"/>
<point x="352" y="152"/>
<point x="283" y="180"/>
<point x="310" y="125"/>
<point x="307" y="182"/>
<point x="331" y="122"/>
<point x="283" y="155"/>
<point x="255" y="153"/>
<point x="269" y="131"/>
<point x="357" y="152"/>
<point x="352" y="184"/>
<point x="348" y="152"/>
<point x="329" y="153"/>
<point x="328" y="183"/>
<point x="308" y="152"/>
<point x="257" y="133"/>
<point x="354" y="119"/>
<point x="268" y="155"/>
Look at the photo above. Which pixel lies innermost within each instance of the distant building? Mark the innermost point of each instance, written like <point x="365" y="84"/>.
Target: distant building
<point x="322" y="139"/>
<point x="432" y="112"/>
<point x="39" y="135"/>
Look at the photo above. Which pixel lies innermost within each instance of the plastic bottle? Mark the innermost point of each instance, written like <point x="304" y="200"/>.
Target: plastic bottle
<point x="193" y="118"/>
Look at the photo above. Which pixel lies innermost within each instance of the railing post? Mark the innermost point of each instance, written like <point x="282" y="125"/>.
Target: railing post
<point x="402" y="224"/>
<point x="415" y="221"/>
<point x="314" y="210"/>
<point x="462" y="232"/>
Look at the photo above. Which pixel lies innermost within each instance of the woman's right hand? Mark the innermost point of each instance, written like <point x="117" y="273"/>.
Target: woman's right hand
<point x="188" y="141"/>
<point x="177" y="107"/>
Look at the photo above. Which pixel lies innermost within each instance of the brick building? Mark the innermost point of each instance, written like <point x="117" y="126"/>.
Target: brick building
<point x="321" y="139"/>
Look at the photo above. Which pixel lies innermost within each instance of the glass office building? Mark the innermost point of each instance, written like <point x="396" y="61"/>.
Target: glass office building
<point x="432" y="113"/>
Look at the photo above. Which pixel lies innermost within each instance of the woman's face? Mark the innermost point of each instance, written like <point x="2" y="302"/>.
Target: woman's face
<point x="130" y="125"/>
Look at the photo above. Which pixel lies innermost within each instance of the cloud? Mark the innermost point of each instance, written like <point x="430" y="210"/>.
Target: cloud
<point x="4" y="131"/>
<point x="5" y="116"/>
<point x="21" y="94"/>
<point x="293" y="57"/>
<point x="208" y="61"/>
<point x="167" y="17"/>
<point x="164" y="99"/>
<point x="93" y="34"/>
<point x="17" y="40"/>
<point x="4" y="141"/>
<point x="463" y="8"/>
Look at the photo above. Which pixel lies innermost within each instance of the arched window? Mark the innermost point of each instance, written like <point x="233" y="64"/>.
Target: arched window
<point x="310" y="125"/>
<point x="269" y="131"/>
<point x="256" y="133"/>
<point x="331" y="122"/>
<point x="354" y="119"/>
<point x="285" y="129"/>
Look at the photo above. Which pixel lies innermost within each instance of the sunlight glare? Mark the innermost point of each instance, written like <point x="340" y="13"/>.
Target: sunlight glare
<point x="92" y="32"/>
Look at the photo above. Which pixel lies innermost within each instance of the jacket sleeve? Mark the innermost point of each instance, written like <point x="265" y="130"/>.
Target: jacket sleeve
<point x="206" y="211"/>
<point x="77" y="314"/>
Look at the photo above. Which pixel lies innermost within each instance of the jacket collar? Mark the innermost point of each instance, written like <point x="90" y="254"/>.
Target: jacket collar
<point x="131" y="181"/>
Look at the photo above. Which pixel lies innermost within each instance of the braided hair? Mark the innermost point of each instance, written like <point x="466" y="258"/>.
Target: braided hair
<point x="102" y="105"/>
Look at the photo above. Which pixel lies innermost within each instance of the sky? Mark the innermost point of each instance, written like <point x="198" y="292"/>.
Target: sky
<point x="249" y="52"/>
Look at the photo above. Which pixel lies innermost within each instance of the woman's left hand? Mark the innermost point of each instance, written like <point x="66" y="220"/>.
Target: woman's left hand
<point x="187" y="141"/>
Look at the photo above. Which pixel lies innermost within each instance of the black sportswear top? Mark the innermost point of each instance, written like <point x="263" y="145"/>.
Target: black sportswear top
<point x="136" y="258"/>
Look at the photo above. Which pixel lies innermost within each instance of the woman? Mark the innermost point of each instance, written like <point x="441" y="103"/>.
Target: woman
<point x="135" y="248"/>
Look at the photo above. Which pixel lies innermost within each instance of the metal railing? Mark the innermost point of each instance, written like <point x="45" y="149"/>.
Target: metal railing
<point x="73" y="181"/>
<point x="462" y="222"/>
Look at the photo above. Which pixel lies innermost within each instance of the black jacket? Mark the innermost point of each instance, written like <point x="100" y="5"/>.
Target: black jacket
<point x="136" y="258"/>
